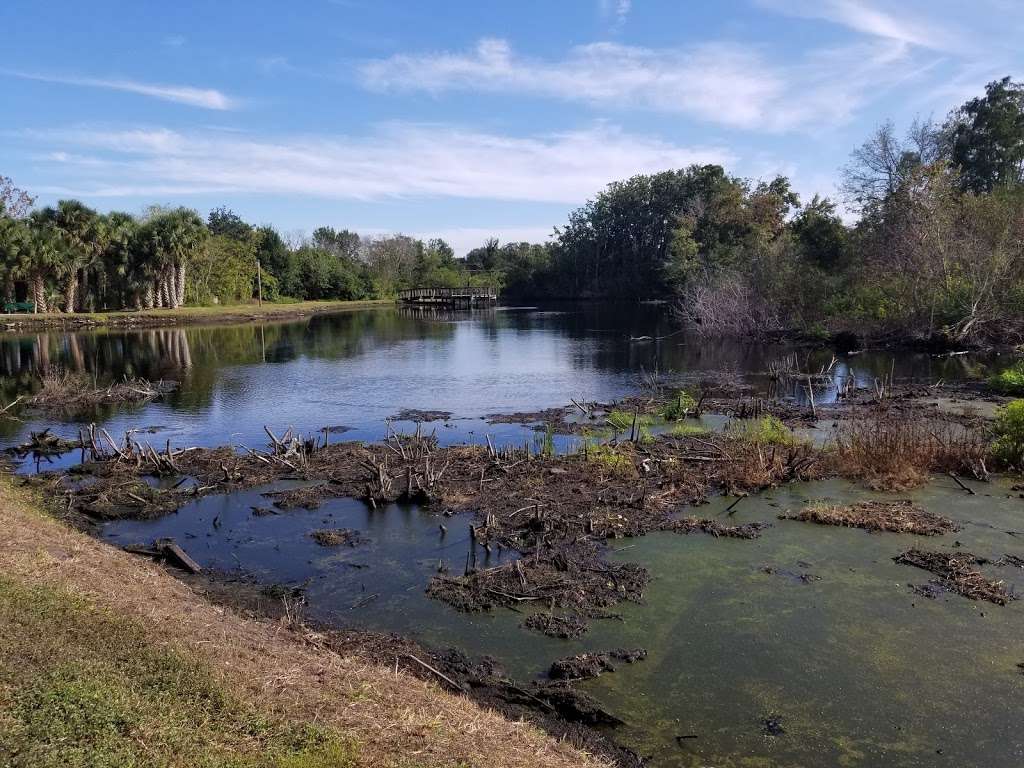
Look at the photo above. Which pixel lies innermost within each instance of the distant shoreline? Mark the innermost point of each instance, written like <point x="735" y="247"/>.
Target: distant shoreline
<point x="155" y="318"/>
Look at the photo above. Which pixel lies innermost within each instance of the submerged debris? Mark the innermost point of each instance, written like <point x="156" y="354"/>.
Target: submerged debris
<point x="716" y="528"/>
<point x="895" y="516"/>
<point x="772" y="726"/>
<point x="564" y="627"/>
<point x="573" y="576"/>
<point x="1011" y="561"/>
<point x="957" y="573"/>
<point x="587" y="665"/>
<point x="336" y="537"/>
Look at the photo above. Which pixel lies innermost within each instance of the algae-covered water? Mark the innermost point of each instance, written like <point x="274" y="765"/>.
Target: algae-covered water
<point x="812" y="627"/>
<point x="857" y="668"/>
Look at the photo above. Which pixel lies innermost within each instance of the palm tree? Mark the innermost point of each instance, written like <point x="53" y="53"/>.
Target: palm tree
<point x="117" y="259"/>
<point x="83" y="233"/>
<point x="43" y="253"/>
<point x="170" y="239"/>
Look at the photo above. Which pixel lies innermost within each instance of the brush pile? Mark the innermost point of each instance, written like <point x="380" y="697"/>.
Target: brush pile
<point x="957" y="573"/>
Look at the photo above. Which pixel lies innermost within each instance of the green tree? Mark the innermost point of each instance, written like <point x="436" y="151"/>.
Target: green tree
<point x="820" y="233"/>
<point x="987" y="135"/>
<point x="226" y="223"/>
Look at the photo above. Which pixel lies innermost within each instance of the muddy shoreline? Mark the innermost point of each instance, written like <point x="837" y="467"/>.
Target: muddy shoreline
<point x="156" y="318"/>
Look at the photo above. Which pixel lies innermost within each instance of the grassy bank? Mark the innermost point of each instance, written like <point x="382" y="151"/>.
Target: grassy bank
<point x="148" y="318"/>
<point x="109" y="660"/>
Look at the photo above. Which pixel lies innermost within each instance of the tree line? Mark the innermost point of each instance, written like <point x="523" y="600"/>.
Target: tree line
<point x="69" y="258"/>
<point x="936" y="251"/>
<point x="937" y="248"/>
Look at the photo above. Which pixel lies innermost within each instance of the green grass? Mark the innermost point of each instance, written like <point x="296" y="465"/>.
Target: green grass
<point x="79" y="687"/>
<point x="683" y="429"/>
<point x="768" y="430"/>
<point x="1010" y="381"/>
<point x="610" y="457"/>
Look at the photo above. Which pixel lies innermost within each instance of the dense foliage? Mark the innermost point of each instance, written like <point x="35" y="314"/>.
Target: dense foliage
<point x="69" y="258"/>
<point x="937" y="250"/>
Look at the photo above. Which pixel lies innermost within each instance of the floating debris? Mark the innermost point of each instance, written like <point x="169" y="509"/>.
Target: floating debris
<point x="957" y="574"/>
<point x="716" y="528"/>
<point x="68" y="394"/>
<point x="564" y="627"/>
<point x="336" y="537"/>
<point x="894" y="516"/>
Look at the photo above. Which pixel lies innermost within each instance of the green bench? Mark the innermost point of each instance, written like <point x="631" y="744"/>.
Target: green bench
<point x="11" y="307"/>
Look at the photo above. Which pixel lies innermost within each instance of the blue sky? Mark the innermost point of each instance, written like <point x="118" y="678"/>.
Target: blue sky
<point x="464" y="119"/>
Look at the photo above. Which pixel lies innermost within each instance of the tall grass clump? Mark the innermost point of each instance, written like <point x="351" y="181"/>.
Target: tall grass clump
<point x="893" y="451"/>
<point x="1009" y="381"/>
<point x="1008" y="447"/>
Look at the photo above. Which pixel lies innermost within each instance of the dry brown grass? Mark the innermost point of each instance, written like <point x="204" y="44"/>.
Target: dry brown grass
<point x="896" y="451"/>
<point x="396" y="719"/>
<point x="894" y="516"/>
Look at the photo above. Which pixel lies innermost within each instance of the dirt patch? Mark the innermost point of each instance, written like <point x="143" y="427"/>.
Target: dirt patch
<point x="894" y="516"/>
<point x="587" y="665"/>
<point x="957" y="573"/>
<point x="564" y="627"/>
<point x="337" y="537"/>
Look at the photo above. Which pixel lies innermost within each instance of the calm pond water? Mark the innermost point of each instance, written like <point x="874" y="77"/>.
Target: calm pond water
<point x="861" y="671"/>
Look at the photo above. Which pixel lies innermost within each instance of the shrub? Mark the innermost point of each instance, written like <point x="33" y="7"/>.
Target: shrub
<point x="1010" y="381"/>
<point x="679" y="408"/>
<point x="1008" y="447"/>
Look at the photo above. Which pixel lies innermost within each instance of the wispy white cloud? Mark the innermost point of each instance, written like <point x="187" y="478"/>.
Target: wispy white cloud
<point x="173" y="41"/>
<point x="616" y="11"/>
<point x="206" y="98"/>
<point x="903" y="25"/>
<point x="722" y="83"/>
<point x="397" y="160"/>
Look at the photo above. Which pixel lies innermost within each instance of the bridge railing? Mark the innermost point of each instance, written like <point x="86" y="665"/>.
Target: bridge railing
<point x="414" y="294"/>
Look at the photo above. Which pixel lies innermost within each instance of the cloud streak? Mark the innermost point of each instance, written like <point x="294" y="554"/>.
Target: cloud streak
<point x="204" y="98"/>
<point x="864" y="17"/>
<point x="397" y="161"/>
<point x="721" y="83"/>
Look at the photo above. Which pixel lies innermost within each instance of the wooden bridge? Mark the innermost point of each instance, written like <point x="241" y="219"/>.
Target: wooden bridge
<point x="458" y="298"/>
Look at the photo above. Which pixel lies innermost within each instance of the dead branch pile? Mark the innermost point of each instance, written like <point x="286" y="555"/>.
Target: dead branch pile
<point x="68" y="393"/>
<point x="957" y="573"/>
<point x="895" y="516"/>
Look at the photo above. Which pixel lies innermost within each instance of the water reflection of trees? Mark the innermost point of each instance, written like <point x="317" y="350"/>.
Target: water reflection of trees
<point x="196" y="356"/>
